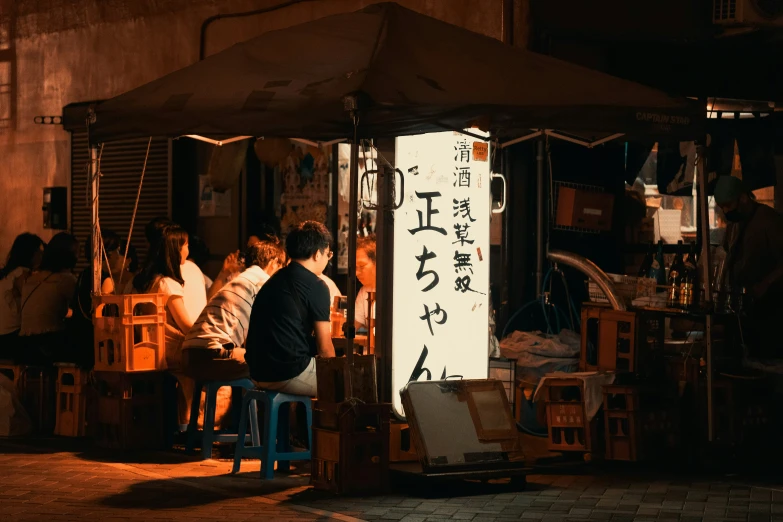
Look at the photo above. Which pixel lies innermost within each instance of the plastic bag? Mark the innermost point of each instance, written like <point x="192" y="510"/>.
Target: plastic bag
<point x="565" y="345"/>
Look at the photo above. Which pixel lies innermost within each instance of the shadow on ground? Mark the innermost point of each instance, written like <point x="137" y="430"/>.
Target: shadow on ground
<point x="193" y="491"/>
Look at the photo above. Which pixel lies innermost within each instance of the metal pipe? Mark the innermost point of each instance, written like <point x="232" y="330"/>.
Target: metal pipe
<point x="202" y="43"/>
<point x="704" y="225"/>
<point x="591" y="270"/>
<point x="539" y="216"/>
<point x="353" y="199"/>
<point x="96" y="227"/>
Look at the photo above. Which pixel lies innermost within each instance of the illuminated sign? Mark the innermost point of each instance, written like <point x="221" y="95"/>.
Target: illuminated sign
<point x="441" y="260"/>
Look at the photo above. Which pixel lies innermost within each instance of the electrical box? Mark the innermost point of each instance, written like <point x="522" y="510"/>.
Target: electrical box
<point x="55" y="208"/>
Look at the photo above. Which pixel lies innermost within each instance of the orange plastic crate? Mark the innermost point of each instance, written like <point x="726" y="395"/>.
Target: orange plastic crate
<point x="130" y="332"/>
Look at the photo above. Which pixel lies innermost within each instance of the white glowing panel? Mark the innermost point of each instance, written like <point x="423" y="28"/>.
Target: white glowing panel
<point x="441" y="260"/>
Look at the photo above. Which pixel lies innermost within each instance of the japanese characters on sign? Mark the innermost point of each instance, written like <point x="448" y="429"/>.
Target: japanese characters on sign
<point x="441" y="260"/>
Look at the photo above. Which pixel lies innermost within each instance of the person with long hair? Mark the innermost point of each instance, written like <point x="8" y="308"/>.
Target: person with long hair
<point x="162" y="274"/>
<point x="195" y="296"/>
<point x="45" y="298"/>
<point x="25" y="256"/>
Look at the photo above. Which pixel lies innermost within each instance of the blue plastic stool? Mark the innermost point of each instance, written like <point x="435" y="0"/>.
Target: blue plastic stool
<point x="275" y="447"/>
<point x="208" y="434"/>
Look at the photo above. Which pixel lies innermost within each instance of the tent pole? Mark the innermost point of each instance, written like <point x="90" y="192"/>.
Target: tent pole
<point x="95" y="228"/>
<point x="353" y="198"/>
<point x="539" y="215"/>
<point x="704" y="225"/>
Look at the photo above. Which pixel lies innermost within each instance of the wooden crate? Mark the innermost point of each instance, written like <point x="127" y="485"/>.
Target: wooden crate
<point x="129" y="410"/>
<point x="621" y="422"/>
<point x="624" y="341"/>
<point x="567" y="424"/>
<point x="639" y="423"/>
<point x="353" y="459"/>
<point x="335" y="377"/>
<point x="130" y="332"/>
<point x="71" y="402"/>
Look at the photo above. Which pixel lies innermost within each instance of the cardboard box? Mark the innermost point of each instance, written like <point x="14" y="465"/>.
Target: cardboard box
<point x="584" y="209"/>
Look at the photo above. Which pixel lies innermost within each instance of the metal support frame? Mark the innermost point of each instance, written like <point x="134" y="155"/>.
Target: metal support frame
<point x="384" y="305"/>
<point x="218" y="143"/>
<point x="584" y="143"/>
<point x="353" y="199"/>
<point x="95" y="220"/>
<point x="539" y="215"/>
<point x="554" y="134"/>
<point x="704" y="222"/>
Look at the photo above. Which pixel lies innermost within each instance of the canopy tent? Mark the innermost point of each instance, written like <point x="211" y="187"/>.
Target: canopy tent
<point x="386" y="71"/>
<point x="410" y="73"/>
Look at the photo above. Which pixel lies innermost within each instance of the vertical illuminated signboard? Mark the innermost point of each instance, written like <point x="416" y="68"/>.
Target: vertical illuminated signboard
<point x="441" y="260"/>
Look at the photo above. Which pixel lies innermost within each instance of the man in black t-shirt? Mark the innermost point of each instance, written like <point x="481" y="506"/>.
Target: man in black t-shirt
<point x="290" y="320"/>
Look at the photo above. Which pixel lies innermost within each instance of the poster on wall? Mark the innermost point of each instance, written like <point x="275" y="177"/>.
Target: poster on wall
<point x="441" y="260"/>
<point x="211" y="202"/>
<point x="305" y="193"/>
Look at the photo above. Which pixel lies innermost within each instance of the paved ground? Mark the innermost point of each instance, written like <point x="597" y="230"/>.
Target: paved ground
<point x="58" y="479"/>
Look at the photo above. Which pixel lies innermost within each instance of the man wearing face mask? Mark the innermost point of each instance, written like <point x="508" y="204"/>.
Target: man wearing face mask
<point x="754" y="247"/>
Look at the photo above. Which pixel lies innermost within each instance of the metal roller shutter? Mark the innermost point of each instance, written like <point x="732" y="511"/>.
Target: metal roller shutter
<point x="121" y="165"/>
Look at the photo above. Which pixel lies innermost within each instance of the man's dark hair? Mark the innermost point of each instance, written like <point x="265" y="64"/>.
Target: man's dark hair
<point x="154" y="229"/>
<point x="368" y="245"/>
<point x="61" y="253"/>
<point x="307" y="238"/>
<point x="263" y="253"/>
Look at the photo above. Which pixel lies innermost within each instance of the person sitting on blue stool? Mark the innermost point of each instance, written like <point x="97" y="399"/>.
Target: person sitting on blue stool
<point x="213" y="348"/>
<point x="290" y="321"/>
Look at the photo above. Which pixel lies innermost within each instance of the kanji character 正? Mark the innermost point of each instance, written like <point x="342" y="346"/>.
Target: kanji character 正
<point x="430" y="212"/>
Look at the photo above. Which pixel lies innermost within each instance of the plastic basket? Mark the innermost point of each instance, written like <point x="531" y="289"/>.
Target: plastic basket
<point x="129" y="332"/>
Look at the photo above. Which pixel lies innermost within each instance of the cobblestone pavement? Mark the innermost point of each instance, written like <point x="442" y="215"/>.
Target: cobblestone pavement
<point x="58" y="479"/>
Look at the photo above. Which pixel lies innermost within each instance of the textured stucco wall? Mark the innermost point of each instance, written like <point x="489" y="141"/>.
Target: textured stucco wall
<point x="79" y="50"/>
